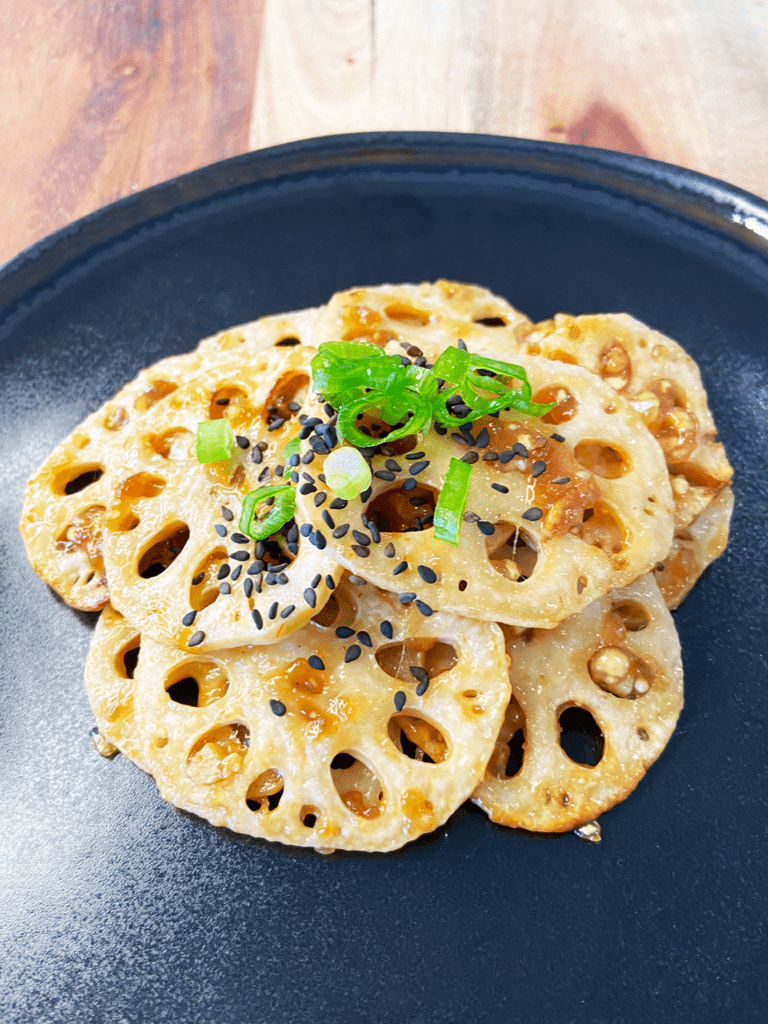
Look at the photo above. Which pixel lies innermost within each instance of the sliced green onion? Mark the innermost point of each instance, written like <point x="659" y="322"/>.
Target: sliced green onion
<point x="278" y="515"/>
<point x="347" y="473"/>
<point x="392" y="406"/>
<point x="215" y="440"/>
<point x="292" y="448"/>
<point x="449" y="510"/>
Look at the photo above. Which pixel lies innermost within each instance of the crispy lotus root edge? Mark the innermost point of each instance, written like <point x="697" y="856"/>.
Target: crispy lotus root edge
<point x="63" y="511"/>
<point x="361" y="731"/>
<point x="418" y="318"/>
<point x="109" y="673"/>
<point x="178" y="567"/>
<point x="658" y="377"/>
<point x="580" y="508"/>
<point x="613" y="672"/>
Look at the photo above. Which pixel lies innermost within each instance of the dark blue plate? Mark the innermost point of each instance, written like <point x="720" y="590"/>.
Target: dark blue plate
<point x="118" y="908"/>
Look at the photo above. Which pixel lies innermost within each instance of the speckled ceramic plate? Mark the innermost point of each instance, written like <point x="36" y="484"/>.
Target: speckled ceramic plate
<point x="116" y="907"/>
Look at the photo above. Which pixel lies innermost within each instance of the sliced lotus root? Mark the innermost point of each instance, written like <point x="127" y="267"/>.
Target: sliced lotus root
<point x="419" y="318"/>
<point x="361" y="731"/>
<point x="555" y="517"/>
<point x="657" y="376"/>
<point x="593" y="704"/>
<point x="109" y="673"/>
<point x="177" y="564"/>
<point x="694" y="548"/>
<point x="63" y="512"/>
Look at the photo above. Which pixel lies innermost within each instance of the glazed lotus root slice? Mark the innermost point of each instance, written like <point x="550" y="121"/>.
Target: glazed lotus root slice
<point x="584" y="508"/>
<point x="419" y="318"/>
<point x="178" y="567"/>
<point x="657" y="376"/>
<point x="327" y="738"/>
<point x="109" y="673"/>
<point x="593" y="704"/>
<point x="64" y="502"/>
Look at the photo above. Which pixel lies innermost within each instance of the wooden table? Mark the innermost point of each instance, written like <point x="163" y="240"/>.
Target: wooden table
<point x="100" y="99"/>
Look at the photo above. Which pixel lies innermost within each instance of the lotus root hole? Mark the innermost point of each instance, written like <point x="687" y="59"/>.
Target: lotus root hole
<point x="177" y="444"/>
<point x="581" y="584"/>
<point x="399" y="511"/>
<point x="615" y="365"/>
<point x="163" y="550"/>
<point x="404" y="313"/>
<point x="511" y="552"/>
<point x="225" y="399"/>
<point x="157" y="390"/>
<point x="288" y="342"/>
<point x="359" y="788"/>
<point x="620" y="672"/>
<point x="76" y="478"/>
<point x="116" y="418"/>
<point x="491" y="321"/>
<point x="339" y="610"/>
<point x="507" y="757"/>
<point x="128" y="658"/>
<point x="206" y="590"/>
<point x="289" y="390"/>
<point x="601" y="459"/>
<point x="196" y="684"/>
<point x="566" y="405"/>
<point x="581" y="738"/>
<point x="266" y="790"/>
<point x="219" y="753"/>
<point x="462" y="585"/>
<point x="159" y="742"/>
<point x="417" y="739"/>
<point x="434" y="656"/>
<point x="309" y="815"/>
<point x="602" y="529"/>
<point x="633" y="615"/>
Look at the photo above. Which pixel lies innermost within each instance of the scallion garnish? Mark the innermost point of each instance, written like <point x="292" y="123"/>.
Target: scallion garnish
<point x="347" y="473"/>
<point x="215" y="440"/>
<point x="278" y="514"/>
<point x="449" y="510"/>
<point x="292" y="448"/>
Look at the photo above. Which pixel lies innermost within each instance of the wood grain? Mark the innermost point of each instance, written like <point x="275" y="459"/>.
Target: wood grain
<point x="102" y="97"/>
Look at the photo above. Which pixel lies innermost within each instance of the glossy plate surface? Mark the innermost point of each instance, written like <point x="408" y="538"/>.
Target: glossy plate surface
<point x="116" y="907"/>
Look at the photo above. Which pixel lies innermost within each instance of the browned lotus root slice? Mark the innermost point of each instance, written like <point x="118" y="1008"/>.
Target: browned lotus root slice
<point x="611" y="673"/>
<point x="421" y="318"/>
<point x="659" y="379"/>
<point x="550" y="529"/>
<point x="61" y="521"/>
<point x="178" y="567"/>
<point x="327" y="742"/>
<point x="694" y="548"/>
<point x="109" y="674"/>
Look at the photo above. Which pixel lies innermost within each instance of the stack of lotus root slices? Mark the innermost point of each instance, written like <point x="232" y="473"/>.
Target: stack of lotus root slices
<point x="348" y="681"/>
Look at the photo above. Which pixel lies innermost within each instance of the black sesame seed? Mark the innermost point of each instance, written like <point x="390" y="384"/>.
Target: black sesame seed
<point x="374" y="531"/>
<point x="240" y="538"/>
<point x="257" y="566"/>
<point x="196" y="638"/>
<point x="227" y="514"/>
<point x="189" y="618"/>
<point x="471" y="517"/>
<point x="315" y="662"/>
<point x="256" y="456"/>
<point x="360" y="551"/>
<point x="247" y="586"/>
<point x="239" y="556"/>
<point x="557" y="437"/>
<point x="344" y="632"/>
<point x="533" y="514"/>
<point x="305" y="529"/>
<point x="236" y="572"/>
<point x="470" y="458"/>
<point x="318" y="539"/>
<point x="256" y="616"/>
<point x="270" y="579"/>
<point x="423" y="607"/>
<point x="386" y="629"/>
<point x="293" y="406"/>
<point x="408" y="485"/>
<point x="421" y="688"/>
<point x="486" y="528"/>
<point x="538" y="468"/>
<point x="282" y="579"/>
<point x="364" y="638"/>
<point x="500" y="488"/>
<point x="427" y="574"/>
<point x="399" y="700"/>
<point x="490" y="456"/>
<point x="330" y="582"/>
<point x="224" y="588"/>
<point x="440" y="429"/>
<point x="413" y="456"/>
<point x="562" y="480"/>
<point x="221" y="530"/>
<point x="406" y="598"/>
<point x="393" y="466"/>
<point x="361" y="538"/>
<point x="279" y="470"/>
<point x="338" y="503"/>
<point x="328" y="519"/>
<point x="417" y="467"/>
<point x="273" y="610"/>
<point x="276" y="424"/>
<point x="264" y="474"/>
<point x="242" y="442"/>
<point x="294" y="478"/>
<point x="520" y="449"/>
<point x="197" y="580"/>
<point x="307" y="489"/>
<point x="389" y="550"/>
<point x="506" y="456"/>
<point x="320" y="498"/>
<point x="287" y="611"/>
<point x="318" y="446"/>
<point x="460" y="344"/>
<point x="419" y="674"/>
<point x="341" y="531"/>
<point x="384" y="474"/>
<point x="366" y="494"/>
<point x="400" y="567"/>
<point x="223" y="571"/>
<point x="483" y="438"/>
<point x="352" y="653"/>
<point x="310" y="597"/>
<point x="278" y="708"/>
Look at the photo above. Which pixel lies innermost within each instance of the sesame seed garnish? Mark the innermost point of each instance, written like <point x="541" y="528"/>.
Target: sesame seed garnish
<point x="500" y="488"/>
<point x="520" y="449"/>
<point x="316" y="580"/>
<point x="305" y="529"/>
<point x="242" y="442"/>
<point x="440" y="429"/>
<point x="364" y="638"/>
<point x="240" y="538"/>
<point x="562" y="480"/>
<point x="247" y="586"/>
<point x="330" y="582"/>
<point x="306" y="458"/>
<point x="386" y="629"/>
<point x="279" y="470"/>
<point x="486" y="528"/>
<point x="506" y="456"/>
<point x="276" y="424"/>
<point x="256" y="616"/>
<point x="328" y="519"/>
<point x="538" y="468"/>
<point x="294" y="478"/>
<point x="557" y="437"/>
<point x="399" y="700"/>
<point x="360" y="551"/>
<point x="490" y="456"/>
<point x="277" y="707"/>
<point x="264" y="475"/>
<point x="196" y="638"/>
<point x="483" y="438"/>
<point x="408" y="485"/>
<point x="400" y="567"/>
<point x="254" y="567"/>
<point x="338" y="503"/>
<point x="423" y="607"/>
<point x="315" y="662"/>
<point x="223" y="571"/>
<point x="471" y="517"/>
<point x="460" y="344"/>
<point x="361" y="538"/>
<point x="341" y="531"/>
<point x="239" y="556"/>
<point x="357" y="580"/>
<point x="256" y="456"/>
<point x="270" y="579"/>
<point x="320" y="498"/>
<point x="365" y="495"/>
<point x="533" y="514"/>
<point x="273" y="611"/>
<point x="221" y="530"/>
<point x="389" y="550"/>
<point x="344" y="632"/>
<point x="392" y="466"/>
<point x="318" y="446"/>
<point x="406" y="598"/>
<point x="417" y="467"/>
<point x="227" y="514"/>
<point x="374" y="531"/>
<point x="419" y="674"/>
<point x="189" y="618"/>
<point x="470" y="458"/>
<point x="307" y="488"/>
<point x="458" y="438"/>
<point x="225" y="588"/>
<point x="310" y="597"/>
<point x="427" y="574"/>
<point x="352" y="653"/>
<point x="384" y="474"/>
<point x="197" y="580"/>
<point x="287" y="611"/>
